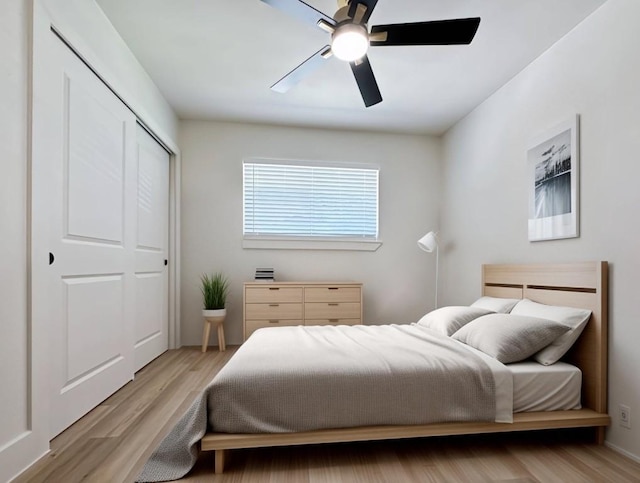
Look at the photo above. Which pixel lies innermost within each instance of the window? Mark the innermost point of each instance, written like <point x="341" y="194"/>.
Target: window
<point x="310" y="200"/>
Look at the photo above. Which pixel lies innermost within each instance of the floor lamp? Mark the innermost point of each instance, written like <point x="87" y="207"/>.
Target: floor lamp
<point x="428" y="243"/>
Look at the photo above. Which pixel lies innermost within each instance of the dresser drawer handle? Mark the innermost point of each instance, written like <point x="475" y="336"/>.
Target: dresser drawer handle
<point x="333" y="288"/>
<point x="274" y="305"/>
<point x="274" y="321"/>
<point x="333" y="305"/>
<point x="334" y="321"/>
<point x="274" y="288"/>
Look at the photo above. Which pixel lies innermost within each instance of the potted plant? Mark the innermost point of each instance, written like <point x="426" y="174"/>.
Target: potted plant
<point x="214" y="296"/>
<point x="214" y="293"/>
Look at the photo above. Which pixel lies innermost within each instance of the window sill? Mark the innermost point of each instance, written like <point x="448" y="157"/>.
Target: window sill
<point x="310" y="244"/>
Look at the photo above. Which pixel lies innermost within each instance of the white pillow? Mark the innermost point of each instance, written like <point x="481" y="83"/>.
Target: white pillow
<point x="575" y="319"/>
<point x="447" y="320"/>
<point x="510" y="338"/>
<point x="496" y="304"/>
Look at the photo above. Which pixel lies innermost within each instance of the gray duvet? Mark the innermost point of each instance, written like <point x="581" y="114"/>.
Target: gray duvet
<point x="305" y="378"/>
<point x="301" y="378"/>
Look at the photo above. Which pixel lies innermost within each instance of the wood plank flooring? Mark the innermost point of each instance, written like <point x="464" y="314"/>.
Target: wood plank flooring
<point x="112" y="442"/>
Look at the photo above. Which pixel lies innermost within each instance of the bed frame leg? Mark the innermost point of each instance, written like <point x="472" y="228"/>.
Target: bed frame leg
<point x="219" y="457"/>
<point x="600" y="433"/>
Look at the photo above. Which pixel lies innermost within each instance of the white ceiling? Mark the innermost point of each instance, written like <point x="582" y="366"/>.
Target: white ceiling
<point x="216" y="59"/>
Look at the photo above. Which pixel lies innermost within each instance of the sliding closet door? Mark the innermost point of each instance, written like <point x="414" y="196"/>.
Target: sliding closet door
<point x="151" y="272"/>
<point x="93" y="203"/>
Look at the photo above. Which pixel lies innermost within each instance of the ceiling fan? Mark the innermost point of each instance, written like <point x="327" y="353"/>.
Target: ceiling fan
<point x="351" y="38"/>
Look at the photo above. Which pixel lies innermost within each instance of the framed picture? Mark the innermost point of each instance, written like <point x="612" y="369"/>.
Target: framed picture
<point x="552" y="169"/>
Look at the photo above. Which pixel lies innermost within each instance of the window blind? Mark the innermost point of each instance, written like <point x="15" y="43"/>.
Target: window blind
<point x="300" y="200"/>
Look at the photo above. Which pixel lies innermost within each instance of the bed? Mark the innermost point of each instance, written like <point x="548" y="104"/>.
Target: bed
<point x="579" y="379"/>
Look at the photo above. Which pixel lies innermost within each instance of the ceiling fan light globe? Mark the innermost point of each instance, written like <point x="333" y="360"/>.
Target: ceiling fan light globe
<point x="350" y="42"/>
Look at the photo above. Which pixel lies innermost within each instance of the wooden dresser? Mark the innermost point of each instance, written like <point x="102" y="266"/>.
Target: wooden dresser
<point x="300" y="303"/>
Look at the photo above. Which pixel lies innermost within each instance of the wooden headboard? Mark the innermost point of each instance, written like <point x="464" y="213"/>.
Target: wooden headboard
<point x="581" y="285"/>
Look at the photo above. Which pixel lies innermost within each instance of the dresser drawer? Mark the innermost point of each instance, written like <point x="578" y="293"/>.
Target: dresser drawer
<point x="332" y="294"/>
<point x="273" y="311"/>
<point x="265" y="295"/>
<point x="332" y="322"/>
<point x="253" y="325"/>
<point x="332" y="310"/>
<point x="299" y="303"/>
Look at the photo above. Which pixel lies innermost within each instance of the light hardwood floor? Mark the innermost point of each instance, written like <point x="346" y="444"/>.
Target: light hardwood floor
<point x="112" y="442"/>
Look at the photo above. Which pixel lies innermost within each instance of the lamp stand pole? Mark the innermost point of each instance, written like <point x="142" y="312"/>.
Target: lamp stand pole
<point x="437" y="250"/>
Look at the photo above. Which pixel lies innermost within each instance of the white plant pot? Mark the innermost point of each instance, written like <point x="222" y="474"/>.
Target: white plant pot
<point x="214" y="313"/>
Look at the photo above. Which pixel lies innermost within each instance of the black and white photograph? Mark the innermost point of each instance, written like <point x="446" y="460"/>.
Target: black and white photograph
<point x="553" y="171"/>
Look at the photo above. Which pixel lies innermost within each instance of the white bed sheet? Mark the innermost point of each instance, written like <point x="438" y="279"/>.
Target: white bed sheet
<point x="545" y="388"/>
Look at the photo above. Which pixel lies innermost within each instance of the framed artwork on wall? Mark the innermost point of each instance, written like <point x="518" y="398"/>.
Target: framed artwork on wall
<point x="553" y="182"/>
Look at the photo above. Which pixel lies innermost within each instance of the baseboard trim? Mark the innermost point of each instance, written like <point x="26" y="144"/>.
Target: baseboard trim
<point x="623" y="452"/>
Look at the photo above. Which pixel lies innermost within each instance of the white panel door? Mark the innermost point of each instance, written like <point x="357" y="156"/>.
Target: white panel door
<point x="93" y="238"/>
<point x="152" y="235"/>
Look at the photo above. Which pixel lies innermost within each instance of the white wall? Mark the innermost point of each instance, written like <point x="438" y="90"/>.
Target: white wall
<point x="14" y="49"/>
<point x="22" y="435"/>
<point x="398" y="278"/>
<point x="593" y="71"/>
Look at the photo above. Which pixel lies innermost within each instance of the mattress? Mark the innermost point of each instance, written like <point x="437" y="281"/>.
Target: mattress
<point x="545" y="388"/>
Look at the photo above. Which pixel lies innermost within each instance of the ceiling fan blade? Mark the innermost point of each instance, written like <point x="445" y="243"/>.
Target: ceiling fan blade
<point x="440" y="32"/>
<point x="301" y="10"/>
<point x="369" y="4"/>
<point x="303" y="70"/>
<point x="366" y="81"/>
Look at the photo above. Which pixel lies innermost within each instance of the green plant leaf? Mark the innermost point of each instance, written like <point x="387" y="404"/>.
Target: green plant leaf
<point x="215" y="289"/>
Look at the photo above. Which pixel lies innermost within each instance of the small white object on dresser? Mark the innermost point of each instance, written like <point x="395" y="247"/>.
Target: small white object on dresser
<point x="301" y="303"/>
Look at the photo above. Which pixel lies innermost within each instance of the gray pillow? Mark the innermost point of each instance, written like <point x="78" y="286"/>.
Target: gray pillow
<point x="448" y="320"/>
<point x="496" y="304"/>
<point x="575" y="319"/>
<point x="509" y="338"/>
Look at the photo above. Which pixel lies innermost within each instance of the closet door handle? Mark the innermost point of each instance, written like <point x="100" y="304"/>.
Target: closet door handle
<point x="52" y="258"/>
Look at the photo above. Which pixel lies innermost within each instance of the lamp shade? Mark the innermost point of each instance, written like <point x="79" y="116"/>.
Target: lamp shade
<point x="429" y="242"/>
